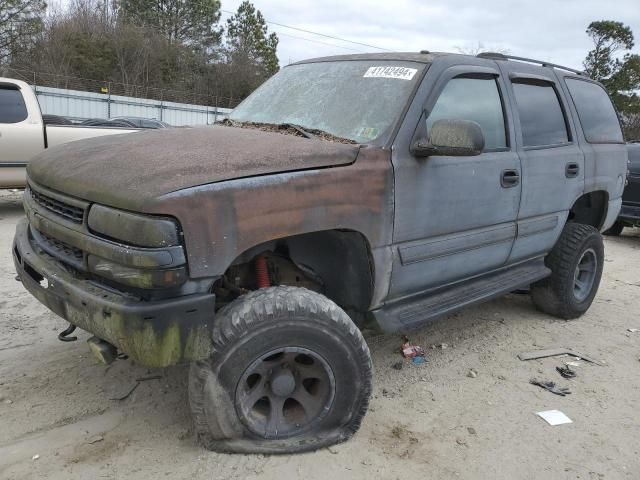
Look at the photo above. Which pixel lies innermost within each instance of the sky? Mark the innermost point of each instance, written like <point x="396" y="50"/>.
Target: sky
<point x="549" y="30"/>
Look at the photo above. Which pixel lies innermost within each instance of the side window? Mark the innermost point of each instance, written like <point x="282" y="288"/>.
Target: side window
<point x="598" y="118"/>
<point x="12" y="107"/>
<point x="474" y="99"/>
<point x="541" y="117"/>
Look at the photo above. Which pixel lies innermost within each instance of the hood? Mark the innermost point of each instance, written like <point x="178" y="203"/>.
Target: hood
<point x="129" y="170"/>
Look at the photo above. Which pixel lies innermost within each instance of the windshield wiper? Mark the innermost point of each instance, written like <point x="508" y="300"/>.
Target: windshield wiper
<point x="313" y="134"/>
<point x="298" y="129"/>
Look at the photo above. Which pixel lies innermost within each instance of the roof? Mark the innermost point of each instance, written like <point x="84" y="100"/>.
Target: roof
<point x="426" y="57"/>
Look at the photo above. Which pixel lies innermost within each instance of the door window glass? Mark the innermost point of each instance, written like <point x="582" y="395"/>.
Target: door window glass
<point x="541" y="118"/>
<point x="473" y="99"/>
<point x="12" y="107"/>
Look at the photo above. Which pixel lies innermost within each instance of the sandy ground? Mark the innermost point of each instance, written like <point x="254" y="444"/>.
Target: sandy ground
<point x="428" y="421"/>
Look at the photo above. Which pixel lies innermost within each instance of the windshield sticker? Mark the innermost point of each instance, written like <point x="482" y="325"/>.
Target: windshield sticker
<point x="368" y="132"/>
<point x="401" y="73"/>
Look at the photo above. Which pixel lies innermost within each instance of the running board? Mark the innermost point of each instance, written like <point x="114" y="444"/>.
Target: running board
<point x="414" y="312"/>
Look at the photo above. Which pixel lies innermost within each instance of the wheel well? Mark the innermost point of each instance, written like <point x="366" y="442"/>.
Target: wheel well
<point x="340" y="259"/>
<point x="590" y="209"/>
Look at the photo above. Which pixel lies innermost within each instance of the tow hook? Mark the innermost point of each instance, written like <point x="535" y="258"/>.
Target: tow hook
<point x="104" y="351"/>
<point x="63" y="336"/>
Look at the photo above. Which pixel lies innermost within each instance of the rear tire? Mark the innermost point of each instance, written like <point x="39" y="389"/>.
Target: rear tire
<point x="289" y="372"/>
<point x="615" y="230"/>
<point x="576" y="263"/>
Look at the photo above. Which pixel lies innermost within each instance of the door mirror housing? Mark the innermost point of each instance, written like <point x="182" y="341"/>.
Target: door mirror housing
<point x="455" y="138"/>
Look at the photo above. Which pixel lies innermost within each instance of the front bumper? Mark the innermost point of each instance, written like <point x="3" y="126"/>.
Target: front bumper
<point x="153" y="333"/>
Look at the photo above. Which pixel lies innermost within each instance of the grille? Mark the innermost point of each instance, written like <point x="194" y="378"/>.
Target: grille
<point x="70" y="212"/>
<point x="61" y="248"/>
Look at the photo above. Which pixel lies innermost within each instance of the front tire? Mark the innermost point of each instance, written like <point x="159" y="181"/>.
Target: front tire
<point x="289" y="372"/>
<point x="576" y="263"/>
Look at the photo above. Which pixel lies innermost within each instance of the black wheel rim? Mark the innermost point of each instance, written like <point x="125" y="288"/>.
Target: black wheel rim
<point x="285" y="392"/>
<point x="585" y="274"/>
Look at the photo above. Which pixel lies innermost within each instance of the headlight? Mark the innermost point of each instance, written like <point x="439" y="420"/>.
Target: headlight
<point x="136" y="277"/>
<point x="132" y="228"/>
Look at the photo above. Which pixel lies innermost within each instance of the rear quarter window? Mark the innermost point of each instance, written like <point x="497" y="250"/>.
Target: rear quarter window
<point x="597" y="116"/>
<point x="12" y="107"/>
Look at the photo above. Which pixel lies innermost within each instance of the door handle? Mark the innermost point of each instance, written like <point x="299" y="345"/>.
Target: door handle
<point x="509" y="178"/>
<point x="572" y="169"/>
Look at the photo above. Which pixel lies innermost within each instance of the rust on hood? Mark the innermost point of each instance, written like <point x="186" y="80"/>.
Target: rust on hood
<point x="128" y="171"/>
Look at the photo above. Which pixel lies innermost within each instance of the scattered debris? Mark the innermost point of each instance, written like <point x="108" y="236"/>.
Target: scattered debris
<point x="151" y="377"/>
<point x="413" y="352"/>
<point x="461" y="441"/>
<point x="554" y="352"/>
<point x="95" y="439"/>
<point x="566" y="372"/>
<point x="443" y="346"/>
<point x="501" y="377"/>
<point x="128" y="393"/>
<point x="35" y="457"/>
<point x="332" y="450"/>
<point x="386" y="393"/>
<point x="633" y="330"/>
<point x="7" y="401"/>
<point x="472" y="373"/>
<point x="572" y="364"/>
<point x="397" y="365"/>
<point x="554" y="417"/>
<point x="471" y="430"/>
<point x="551" y="386"/>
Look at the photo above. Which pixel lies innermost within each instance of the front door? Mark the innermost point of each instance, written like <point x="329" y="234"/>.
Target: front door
<point x="455" y="216"/>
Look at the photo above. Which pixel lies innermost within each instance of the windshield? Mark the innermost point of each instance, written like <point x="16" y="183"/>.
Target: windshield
<point x="358" y="100"/>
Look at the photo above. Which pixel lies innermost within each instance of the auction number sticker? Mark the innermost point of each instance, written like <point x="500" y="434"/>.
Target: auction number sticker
<point x="401" y="73"/>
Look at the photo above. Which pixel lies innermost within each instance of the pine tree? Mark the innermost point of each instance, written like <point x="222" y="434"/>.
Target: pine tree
<point x="248" y="40"/>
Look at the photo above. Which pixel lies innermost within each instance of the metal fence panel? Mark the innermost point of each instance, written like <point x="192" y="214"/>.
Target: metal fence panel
<point x="82" y="105"/>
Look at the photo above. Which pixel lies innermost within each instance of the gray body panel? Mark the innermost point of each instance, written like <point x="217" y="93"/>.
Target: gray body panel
<point x="454" y="221"/>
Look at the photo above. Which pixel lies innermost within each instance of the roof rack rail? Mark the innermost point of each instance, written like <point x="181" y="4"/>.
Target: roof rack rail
<point x="502" y="56"/>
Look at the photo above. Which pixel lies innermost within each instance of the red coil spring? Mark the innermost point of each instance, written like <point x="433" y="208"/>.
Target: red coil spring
<point x="262" y="272"/>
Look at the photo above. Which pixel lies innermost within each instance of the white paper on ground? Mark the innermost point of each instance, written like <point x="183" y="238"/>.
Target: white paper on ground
<point x="554" y="417"/>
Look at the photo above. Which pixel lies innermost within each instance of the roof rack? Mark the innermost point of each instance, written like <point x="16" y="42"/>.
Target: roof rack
<point x="502" y="56"/>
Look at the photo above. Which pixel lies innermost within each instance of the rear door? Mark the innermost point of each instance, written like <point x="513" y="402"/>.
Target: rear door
<point x="454" y="216"/>
<point x="552" y="161"/>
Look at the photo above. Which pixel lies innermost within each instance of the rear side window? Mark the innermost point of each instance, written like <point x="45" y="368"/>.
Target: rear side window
<point x="598" y="118"/>
<point x="473" y="99"/>
<point x="12" y="107"/>
<point x="541" y="117"/>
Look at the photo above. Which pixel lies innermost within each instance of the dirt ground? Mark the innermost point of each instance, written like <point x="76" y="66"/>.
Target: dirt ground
<point x="58" y="418"/>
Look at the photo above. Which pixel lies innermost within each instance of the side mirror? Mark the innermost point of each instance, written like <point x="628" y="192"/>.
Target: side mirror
<point x="455" y="138"/>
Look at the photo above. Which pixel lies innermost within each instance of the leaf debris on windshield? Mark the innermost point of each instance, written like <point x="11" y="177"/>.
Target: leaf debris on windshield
<point x="287" y="129"/>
